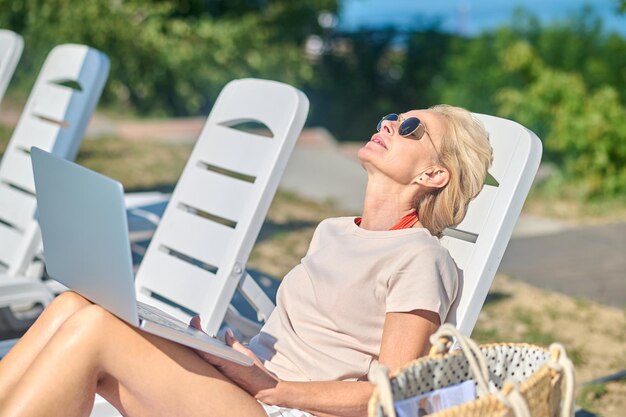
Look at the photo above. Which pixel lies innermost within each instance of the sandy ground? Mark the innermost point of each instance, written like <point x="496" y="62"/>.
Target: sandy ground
<point x="593" y="335"/>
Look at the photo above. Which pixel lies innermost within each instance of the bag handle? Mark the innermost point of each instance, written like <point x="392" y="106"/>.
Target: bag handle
<point x="441" y="342"/>
<point x="379" y="376"/>
<point x="561" y="363"/>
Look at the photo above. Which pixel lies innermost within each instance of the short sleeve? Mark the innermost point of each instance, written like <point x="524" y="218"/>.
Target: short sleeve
<point x="428" y="282"/>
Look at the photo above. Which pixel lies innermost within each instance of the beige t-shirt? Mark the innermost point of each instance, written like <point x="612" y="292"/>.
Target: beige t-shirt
<point x="330" y="309"/>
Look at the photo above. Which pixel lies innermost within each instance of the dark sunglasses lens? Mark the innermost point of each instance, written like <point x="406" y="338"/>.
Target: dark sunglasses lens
<point x="409" y="126"/>
<point x="391" y="117"/>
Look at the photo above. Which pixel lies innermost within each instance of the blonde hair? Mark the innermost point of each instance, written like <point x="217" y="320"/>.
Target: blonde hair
<point x="466" y="153"/>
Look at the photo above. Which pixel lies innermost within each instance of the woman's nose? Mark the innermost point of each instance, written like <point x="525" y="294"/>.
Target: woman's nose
<point x="387" y="126"/>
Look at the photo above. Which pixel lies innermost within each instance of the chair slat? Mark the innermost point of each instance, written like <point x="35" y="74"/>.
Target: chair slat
<point x="33" y="131"/>
<point x="194" y="236"/>
<point x="16" y="207"/>
<point x="10" y="240"/>
<point x="234" y="150"/>
<point x="73" y="64"/>
<point x="478" y="212"/>
<point x="460" y="249"/>
<point x="53" y="102"/>
<point x="204" y="190"/>
<point x="18" y="165"/>
<point x="180" y="282"/>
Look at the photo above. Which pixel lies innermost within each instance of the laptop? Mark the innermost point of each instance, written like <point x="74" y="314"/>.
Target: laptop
<point x="87" y="248"/>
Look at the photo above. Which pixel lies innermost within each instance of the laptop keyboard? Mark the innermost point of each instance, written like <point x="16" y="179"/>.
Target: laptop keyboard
<point x="149" y="313"/>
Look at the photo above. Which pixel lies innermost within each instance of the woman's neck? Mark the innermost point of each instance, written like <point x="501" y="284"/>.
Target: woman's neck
<point x="384" y="207"/>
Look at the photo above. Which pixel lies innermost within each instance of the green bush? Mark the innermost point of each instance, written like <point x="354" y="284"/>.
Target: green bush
<point x="583" y="129"/>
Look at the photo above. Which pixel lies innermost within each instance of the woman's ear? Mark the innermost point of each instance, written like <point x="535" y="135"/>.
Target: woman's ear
<point x="435" y="177"/>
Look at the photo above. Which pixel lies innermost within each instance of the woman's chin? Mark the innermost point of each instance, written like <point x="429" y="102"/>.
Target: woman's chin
<point x="367" y="151"/>
<point x="363" y="154"/>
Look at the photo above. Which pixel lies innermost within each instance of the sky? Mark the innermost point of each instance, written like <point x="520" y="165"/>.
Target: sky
<point x="468" y="17"/>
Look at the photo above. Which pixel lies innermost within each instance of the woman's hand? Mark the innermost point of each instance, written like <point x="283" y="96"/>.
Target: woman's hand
<point x="253" y="379"/>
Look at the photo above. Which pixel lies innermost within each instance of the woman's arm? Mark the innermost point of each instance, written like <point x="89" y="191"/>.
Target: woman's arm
<point x="405" y="337"/>
<point x="323" y="399"/>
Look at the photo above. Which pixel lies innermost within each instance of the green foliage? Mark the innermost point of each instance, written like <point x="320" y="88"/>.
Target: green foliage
<point x="173" y="56"/>
<point x="473" y="73"/>
<point x="584" y="128"/>
<point x="566" y="81"/>
<point x="366" y="75"/>
<point x="349" y="77"/>
<point x="590" y="394"/>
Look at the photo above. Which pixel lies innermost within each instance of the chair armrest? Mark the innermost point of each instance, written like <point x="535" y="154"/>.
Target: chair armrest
<point x="21" y="291"/>
<point x="255" y="295"/>
<point x="245" y="327"/>
<point x="144" y="211"/>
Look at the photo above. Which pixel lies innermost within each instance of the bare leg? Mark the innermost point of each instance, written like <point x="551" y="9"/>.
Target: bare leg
<point x="19" y="358"/>
<point x="141" y="375"/>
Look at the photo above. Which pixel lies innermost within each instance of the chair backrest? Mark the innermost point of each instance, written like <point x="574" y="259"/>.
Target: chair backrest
<point x="55" y="118"/>
<point x="11" y="46"/>
<point x="478" y="243"/>
<point x="198" y="253"/>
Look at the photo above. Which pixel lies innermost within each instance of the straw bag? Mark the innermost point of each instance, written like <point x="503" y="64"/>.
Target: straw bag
<point x="511" y="379"/>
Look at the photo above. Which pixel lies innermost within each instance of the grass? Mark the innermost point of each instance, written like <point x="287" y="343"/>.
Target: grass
<point x="5" y="135"/>
<point x="574" y="210"/>
<point x="590" y="395"/>
<point x="139" y="166"/>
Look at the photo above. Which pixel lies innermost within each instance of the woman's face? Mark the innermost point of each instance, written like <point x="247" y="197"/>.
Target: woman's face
<point x="403" y="158"/>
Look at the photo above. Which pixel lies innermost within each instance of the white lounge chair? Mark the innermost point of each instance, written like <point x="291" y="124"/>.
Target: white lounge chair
<point x="199" y="251"/>
<point x="478" y="243"/>
<point x="197" y="256"/>
<point x="11" y="46"/>
<point x="54" y="118"/>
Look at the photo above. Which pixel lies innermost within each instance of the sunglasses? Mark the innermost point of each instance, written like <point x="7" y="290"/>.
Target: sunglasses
<point x="410" y="126"/>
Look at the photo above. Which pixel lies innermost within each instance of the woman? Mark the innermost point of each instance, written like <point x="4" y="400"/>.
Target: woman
<point x="371" y="289"/>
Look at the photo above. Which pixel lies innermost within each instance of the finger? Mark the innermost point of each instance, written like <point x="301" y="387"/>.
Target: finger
<point x="231" y="341"/>
<point x="195" y="322"/>
<point x="229" y="337"/>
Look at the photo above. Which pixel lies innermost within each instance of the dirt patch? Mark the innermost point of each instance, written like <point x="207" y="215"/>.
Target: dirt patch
<point x="593" y="335"/>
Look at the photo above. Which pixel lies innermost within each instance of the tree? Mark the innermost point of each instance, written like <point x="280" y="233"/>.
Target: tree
<point x="583" y="128"/>
<point x="173" y="56"/>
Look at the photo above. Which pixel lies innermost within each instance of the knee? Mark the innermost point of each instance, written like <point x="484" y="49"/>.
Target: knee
<point x="87" y="324"/>
<point x="70" y="302"/>
<point x="64" y="306"/>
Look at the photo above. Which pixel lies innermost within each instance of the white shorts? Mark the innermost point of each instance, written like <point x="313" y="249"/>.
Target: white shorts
<point x="276" y="411"/>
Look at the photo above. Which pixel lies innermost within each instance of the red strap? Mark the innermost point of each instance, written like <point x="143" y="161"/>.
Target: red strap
<point x="406" y="222"/>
